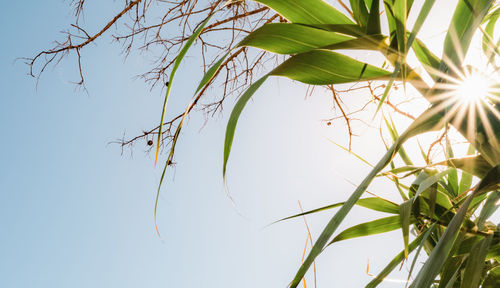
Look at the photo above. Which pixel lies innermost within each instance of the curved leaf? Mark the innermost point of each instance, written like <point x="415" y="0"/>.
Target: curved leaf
<point x="207" y="78"/>
<point x="289" y="38"/>
<point x="177" y="62"/>
<point x="429" y="120"/>
<point x="426" y="57"/>
<point x="233" y="119"/>
<point x="359" y="12"/>
<point x="488" y="209"/>
<point x="373" y="203"/>
<point x="395" y="262"/>
<point x="307" y="11"/>
<point x="373" y="26"/>
<point x="405" y="211"/>
<point x="321" y="67"/>
<point x="370" y="228"/>
<point x="440" y="253"/>
<point x="467" y="17"/>
<point x="475" y="263"/>
<point x="492" y="280"/>
<point x="475" y="165"/>
<point x="489" y="46"/>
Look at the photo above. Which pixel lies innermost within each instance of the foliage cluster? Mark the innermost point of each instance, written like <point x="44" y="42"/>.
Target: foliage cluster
<point x="444" y="208"/>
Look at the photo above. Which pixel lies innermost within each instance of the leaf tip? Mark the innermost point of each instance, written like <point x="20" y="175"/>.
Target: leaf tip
<point x="156" y="222"/>
<point x="156" y="154"/>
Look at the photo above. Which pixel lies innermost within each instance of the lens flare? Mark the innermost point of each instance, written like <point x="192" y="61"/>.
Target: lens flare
<point x="473" y="88"/>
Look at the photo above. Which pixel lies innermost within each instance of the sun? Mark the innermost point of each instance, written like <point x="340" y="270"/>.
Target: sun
<point x="473" y="88"/>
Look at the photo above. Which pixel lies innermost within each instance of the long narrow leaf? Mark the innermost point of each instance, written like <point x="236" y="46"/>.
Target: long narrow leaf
<point x="489" y="208"/>
<point x="378" y="226"/>
<point x="436" y="259"/>
<point x="400" y="10"/>
<point x="426" y="122"/>
<point x="467" y="17"/>
<point x="307" y="12"/>
<point x="233" y="119"/>
<point x="394" y="262"/>
<point x="475" y="263"/>
<point x="207" y="78"/>
<point x="321" y="67"/>
<point x="405" y="218"/>
<point x="360" y="12"/>
<point x="492" y="280"/>
<point x="289" y="38"/>
<point x="373" y="26"/>
<point x="373" y="203"/>
<point x="466" y="178"/>
<point x="177" y="62"/>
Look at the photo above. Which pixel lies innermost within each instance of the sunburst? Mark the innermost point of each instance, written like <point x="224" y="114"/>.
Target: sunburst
<point x="470" y="99"/>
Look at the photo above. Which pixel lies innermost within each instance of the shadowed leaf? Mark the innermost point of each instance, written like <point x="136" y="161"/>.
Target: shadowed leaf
<point x="475" y="263"/>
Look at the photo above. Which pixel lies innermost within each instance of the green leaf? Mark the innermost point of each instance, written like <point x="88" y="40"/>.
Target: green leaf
<point x="394" y="135"/>
<point x="426" y="58"/>
<point x="433" y="192"/>
<point x="395" y="262"/>
<point x="378" y="226"/>
<point x="489" y="182"/>
<point x="177" y="62"/>
<point x="438" y="255"/>
<point x="373" y="26"/>
<point x="466" y="179"/>
<point x="315" y="67"/>
<point x="429" y="181"/>
<point x="475" y="165"/>
<point x="467" y="17"/>
<point x="405" y="219"/>
<point x="429" y="120"/>
<point x="288" y="38"/>
<point x="426" y="234"/>
<point x="360" y="12"/>
<point x="233" y="119"/>
<point x="363" y="42"/>
<point x="488" y="45"/>
<point x="209" y="75"/>
<point x="452" y="265"/>
<point x="319" y="67"/>
<point x="373" y="203"/>
<point x="411" y="169"/>
<point x="475" y="263"/>
<point x="307" y="11"/>
<point x="492" y="279"/>
<point x="424" y="12"/>
<point x="400" y="10"/>
<point x="453" y="175"/>
<point x="348" y="29"/>
<point x="489" y="208"/>
<point x="450" y="271"/>
<point x="351" y="152"/>
<point x="207" y="78"/>
<point x="494" y="252"/>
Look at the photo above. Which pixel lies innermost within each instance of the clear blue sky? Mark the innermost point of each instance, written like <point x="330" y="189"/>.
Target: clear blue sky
<point x="74" y="212"/>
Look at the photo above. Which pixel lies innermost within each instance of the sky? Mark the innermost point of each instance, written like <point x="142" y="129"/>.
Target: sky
<point x="77" y="212"/>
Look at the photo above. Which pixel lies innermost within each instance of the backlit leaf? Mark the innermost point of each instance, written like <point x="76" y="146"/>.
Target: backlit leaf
<point x="307" y="11"/>
<point x="370" y="228"/>
<point x="429" y="120"/>
<point x="321" y="67"/>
